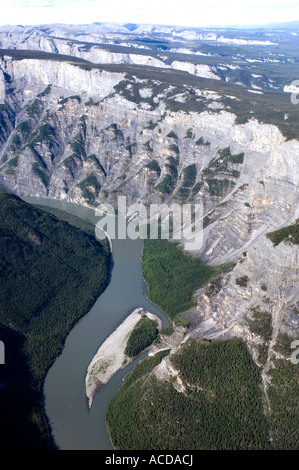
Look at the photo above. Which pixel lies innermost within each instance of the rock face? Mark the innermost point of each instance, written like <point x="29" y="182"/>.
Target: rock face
<point x="85" y="134"/>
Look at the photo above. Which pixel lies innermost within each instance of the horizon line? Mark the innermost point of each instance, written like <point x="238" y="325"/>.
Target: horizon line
<point x="274" y="25"/>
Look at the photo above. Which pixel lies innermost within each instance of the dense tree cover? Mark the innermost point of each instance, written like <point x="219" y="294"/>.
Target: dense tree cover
<point x="261" y="324"/>
<point x="227" y="156"/>
<point x="173" y="276"/>
<point x="40" y="55"/>
<point x="73" y="220"/>
<point x="23" y="422"/>
<point x="283" y="395"/>
<point x="283" y="344"/>
<point x="220" y="407"/>
<point x="116" y="421"/>
<point x="189" y="176"/>
<point x="289" y="234"/>
<point x="142" y="336"/>
<point x="51" y="274"/>
<point x="283" y="392"/>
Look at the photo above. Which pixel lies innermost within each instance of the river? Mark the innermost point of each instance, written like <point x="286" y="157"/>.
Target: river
<point x="74" y="427"/>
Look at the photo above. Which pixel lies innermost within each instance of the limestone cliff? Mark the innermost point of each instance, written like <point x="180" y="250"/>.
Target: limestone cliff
<point x="85" y="134"/>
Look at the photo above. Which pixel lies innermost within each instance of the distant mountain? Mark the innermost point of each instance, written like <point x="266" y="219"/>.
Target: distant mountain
<point x="288" y="25"/>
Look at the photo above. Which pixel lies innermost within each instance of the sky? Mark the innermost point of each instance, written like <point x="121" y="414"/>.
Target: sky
<point x="169" y="12"/>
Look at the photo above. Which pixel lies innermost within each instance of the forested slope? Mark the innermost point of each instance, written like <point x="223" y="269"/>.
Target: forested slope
<point x="51" y="274"/>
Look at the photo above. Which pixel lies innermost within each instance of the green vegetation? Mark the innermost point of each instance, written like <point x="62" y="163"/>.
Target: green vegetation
<point x="46" y="91"/>
<point x="148" y="146"/>
<point x="44" y="134"/>
<point x="283" y="344"/>
<point x="220" y="408"/>
<point x="65" y="100"/>
<point x="41" y="55"/>
<point x="283" y="394"/>
<point x="206" y="221"/>
<point x="90" y="188"/>
<point x="90" y="102"/>
<point x="142" y="336"/>
<point x="242" y="281"/>
<point x="226" y="155"/>
<point x="270" y="107"/>
<point x="213" y="287"/>
<point x="15" y="142"/>
<point x="34" y="108"/>
<point x="168" y="329"/>
<point x="172" y="135"/>
<point x="183" y="193"/>
<point x="117" y="132"/>
<point x="261" y="324"/>
<point x="196" y="188"/>
<point x="24" y="127"/>
<point x="138" y="373"/>
<point x="219" y="172"/>
<point x="24" y="423"/>
<point x="153" y="165"/>
<point x="189" y="134"/>
<point x="172" y="165"/>
<point x="41" y="173"/>
<point x="13" y="162"/>
<point x="130" y="89"/>
<point x="51" y="274"/>
<point x="263" y="350"/>
<point x="189" y="178"/>
<point x="73" y="220"/>
<point x="168" y="184"/>
<point x="289" y="234"/>
<point x="93" y="159"/>
<point x="220" y="187"/>
<point x="174" y="148"/>
<point x="151" y="125"/>
<point x="173" y="276"/>
<point x="203" y="142"/>
<point x="78" y="145"/>
<point x="182" y="320"/>
<point x="130" y="148"/>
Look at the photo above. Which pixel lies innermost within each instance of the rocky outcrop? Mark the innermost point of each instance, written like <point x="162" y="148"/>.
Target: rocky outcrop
<point x="37" y="73"/>
<point x="87" y="135"/>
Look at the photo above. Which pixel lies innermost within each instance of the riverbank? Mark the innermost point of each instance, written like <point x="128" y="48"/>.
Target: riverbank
<point x="111" y="356"/>
<point x="45" y="292"/>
